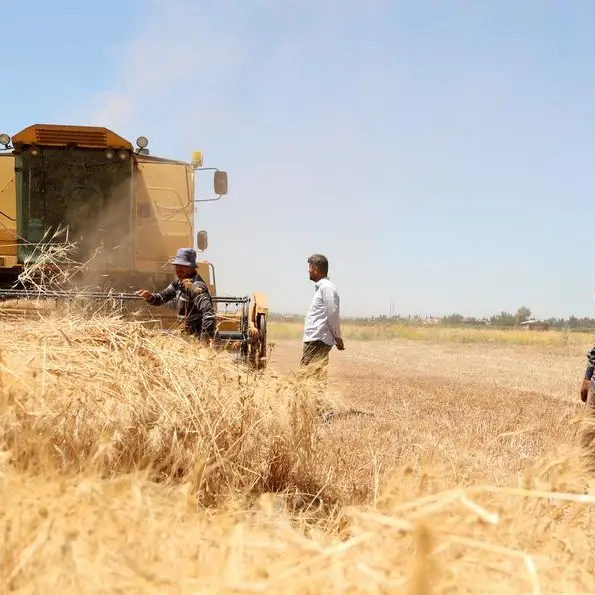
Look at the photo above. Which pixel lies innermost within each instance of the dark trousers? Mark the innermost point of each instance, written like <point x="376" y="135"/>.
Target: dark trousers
<point x="316" y="353"/>
<point x="588" y="432"/>
<point x="195" y="329"/>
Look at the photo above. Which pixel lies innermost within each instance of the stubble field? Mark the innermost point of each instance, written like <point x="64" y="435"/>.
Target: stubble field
<point x="133" y="462"/>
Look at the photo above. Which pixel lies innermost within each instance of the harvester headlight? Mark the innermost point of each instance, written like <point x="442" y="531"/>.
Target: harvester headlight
<point x="4" y="139"/>
<point x="142" y="142"/>
<point x="109" y="154"/>
<point x="122" y="154"/>
<point x="34" y="151"/>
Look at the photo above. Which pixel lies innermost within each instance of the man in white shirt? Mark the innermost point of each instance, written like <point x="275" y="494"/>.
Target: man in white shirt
<point x="322" y="327"/>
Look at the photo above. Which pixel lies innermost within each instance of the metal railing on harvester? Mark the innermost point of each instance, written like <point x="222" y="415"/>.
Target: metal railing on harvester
<point x="241" y="335"/>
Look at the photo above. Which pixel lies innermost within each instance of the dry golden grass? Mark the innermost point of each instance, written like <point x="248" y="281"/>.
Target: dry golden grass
<point x="117" y="397"/>
<point x="137" y="462"/>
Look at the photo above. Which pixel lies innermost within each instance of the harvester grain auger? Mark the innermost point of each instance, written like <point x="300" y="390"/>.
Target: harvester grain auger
<point x="119" y="214"/>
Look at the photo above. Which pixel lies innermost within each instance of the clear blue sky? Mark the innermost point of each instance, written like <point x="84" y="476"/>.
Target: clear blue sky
<point x="440" y="153"/>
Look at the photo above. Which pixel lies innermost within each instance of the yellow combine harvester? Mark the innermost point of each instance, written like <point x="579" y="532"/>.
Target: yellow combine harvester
<point x="124" y="211"/>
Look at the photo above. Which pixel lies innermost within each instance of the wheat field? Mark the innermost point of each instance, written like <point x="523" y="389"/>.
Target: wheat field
<point x="137" y="462"/>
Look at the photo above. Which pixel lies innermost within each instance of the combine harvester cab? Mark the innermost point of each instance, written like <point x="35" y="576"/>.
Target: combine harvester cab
<point x="9" y="269"/>
<point x="84" y="215"/>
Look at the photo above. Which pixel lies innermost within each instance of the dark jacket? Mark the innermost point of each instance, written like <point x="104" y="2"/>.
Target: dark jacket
<point x="590" y="363"/>
<point x="196" y="311"/>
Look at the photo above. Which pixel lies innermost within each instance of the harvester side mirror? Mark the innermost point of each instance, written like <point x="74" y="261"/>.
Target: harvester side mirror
<point x="202" y="241"/>
<point x="220" y="182"/>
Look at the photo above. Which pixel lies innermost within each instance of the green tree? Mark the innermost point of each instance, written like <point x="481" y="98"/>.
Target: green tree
<point x="503" y="319"/>
<point x="522" y="314"/>
<point x="453" y="319"/>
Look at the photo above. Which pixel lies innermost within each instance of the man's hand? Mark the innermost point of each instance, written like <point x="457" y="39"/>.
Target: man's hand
<point x="339" y="344"/>
<point x="190" y="288"/>
<point x="585" y="390"/>
<point x="146" y="295"/>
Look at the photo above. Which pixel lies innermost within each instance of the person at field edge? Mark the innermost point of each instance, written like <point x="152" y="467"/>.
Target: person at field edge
<point x="195" y="307"/>
<point x="588" y="374"/>
<point x="587" y="435"/>
<point x="322" y="326"/>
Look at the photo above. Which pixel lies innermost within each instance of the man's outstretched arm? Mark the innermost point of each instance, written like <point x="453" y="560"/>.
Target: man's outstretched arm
<point x="163" y="296"/>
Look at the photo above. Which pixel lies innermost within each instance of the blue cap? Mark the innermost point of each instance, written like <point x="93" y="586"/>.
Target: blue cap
<point x="185" y="256"/>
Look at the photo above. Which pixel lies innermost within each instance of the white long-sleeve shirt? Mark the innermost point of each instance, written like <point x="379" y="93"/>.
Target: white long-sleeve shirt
<point x="323" y="321"/>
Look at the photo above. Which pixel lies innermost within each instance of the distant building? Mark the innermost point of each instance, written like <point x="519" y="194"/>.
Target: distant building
<point x="535" y="325"/>
<point x="432" y="320"/>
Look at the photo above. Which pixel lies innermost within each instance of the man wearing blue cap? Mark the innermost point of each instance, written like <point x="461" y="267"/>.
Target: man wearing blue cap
<point x="195" y="307"/>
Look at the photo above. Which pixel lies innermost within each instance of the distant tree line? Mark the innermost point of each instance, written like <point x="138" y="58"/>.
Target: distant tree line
<point x="502" y="320"/>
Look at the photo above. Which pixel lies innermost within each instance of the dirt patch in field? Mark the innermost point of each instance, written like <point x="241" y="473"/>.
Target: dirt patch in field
<point x="484" y="412"/>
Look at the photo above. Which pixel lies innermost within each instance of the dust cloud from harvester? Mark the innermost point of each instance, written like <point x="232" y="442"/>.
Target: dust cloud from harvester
<point x="83" y="200"/>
